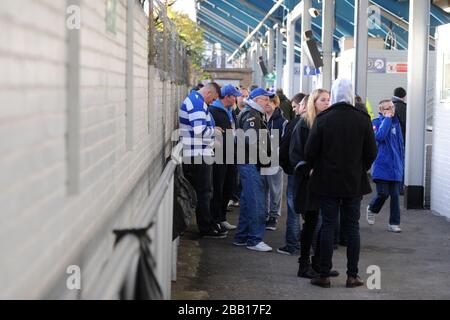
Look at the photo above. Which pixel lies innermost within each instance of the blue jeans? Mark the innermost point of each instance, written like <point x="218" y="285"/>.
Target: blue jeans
<point x="384" y="190"/>
<point x="273" y="185"/>
<point x="330" y="212"/>
<point x="293" y="227"/>
<point x="252" y="218"/>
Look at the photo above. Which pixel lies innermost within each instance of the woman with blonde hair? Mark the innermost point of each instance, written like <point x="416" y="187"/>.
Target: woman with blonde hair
<point x="305" y="202"/>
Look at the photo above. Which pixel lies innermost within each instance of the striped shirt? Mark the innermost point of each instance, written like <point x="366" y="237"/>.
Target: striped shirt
<point x="196" y="127"/>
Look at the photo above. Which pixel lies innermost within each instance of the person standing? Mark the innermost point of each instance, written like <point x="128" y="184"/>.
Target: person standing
<point x="273" y="176"/>
<point x="306" y="202"/>
<point x="387" y="171"/>
<point x="293" y="227"/>
<point x="223" y="173"/>
<point x="237" y="188"/>
<point x="399" y="100"/>
<point x="197" y="134"/>
<point x="252" y="220"/>
<point x="341" y="149"/>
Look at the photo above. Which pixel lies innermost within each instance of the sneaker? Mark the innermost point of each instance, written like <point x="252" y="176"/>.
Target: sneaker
<point x="227" y="226"/>
<point x="235" y="203"/>
<point x="394" y="228"/>
<point x="285" y="250"/>
<point x="271" y="224"/>
<point x="214" y="234"/>
<point x="262" y="247"/>
<point x="240" y="244"/>
<point x="370" y="216"/>
<point x="221" y="229"/>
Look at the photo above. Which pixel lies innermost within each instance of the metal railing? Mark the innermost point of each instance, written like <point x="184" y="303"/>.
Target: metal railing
<point x="119" y="274"/>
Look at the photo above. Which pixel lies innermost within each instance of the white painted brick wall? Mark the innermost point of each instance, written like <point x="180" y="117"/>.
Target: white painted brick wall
<point x="42" y="228"/>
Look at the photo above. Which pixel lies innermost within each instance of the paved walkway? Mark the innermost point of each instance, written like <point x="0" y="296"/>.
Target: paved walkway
<point x="414" y="264"/>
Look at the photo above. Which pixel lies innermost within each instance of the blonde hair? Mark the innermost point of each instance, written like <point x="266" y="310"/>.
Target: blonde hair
<point x="311" y="112"/>
<point x="275" y="100"/>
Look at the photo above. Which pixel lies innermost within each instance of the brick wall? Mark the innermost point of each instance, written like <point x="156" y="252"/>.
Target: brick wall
<point x="440" y="169"/>
<point x="44" y="228"/>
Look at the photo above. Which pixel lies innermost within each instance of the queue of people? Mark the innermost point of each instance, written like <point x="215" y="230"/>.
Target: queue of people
<point x="326" y="145"/>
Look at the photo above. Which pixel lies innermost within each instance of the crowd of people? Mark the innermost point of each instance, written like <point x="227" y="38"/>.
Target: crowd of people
<point x="326" y="147"/>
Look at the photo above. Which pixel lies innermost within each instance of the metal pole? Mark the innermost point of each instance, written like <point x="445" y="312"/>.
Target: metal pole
<point x="361" y="49"/>
<point x="304" y="60"/>
<point x="290" y="58"/>
<point x="270" y="50"/>
<point x="327" y="43"/>
<point x="279" y="57"/>
<point x="419" y="24"/>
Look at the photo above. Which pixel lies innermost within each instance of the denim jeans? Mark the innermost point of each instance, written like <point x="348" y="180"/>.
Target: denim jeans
<point x="293" y="227"/>
<point x="252" y="218"/>
<point x="384" y="190"/>
<point x="273" y="189"/>
<point x="330" y="212"/>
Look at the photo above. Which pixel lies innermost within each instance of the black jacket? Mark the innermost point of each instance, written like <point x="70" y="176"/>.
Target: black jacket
<point x="303" y="199"/>
<point x="341" y="148"/>
<point x="251" y="119"/>
<point x="221" y="120"/>
<point x="285" y="142"/>
<point x="400" y="111"/>
<point x="277" y="121"/>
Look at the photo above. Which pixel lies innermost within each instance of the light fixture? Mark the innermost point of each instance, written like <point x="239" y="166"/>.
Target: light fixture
<point x="313" y="12"/>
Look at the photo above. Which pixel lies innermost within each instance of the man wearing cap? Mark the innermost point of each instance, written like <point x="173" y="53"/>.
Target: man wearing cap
<point x="252" y="129"/>
<point x="223" y="173"/>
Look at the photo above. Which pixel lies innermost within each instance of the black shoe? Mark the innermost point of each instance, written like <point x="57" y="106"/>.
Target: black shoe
<point x="321" y="282"/>
<point x="214" y="234"/>
<point x="332" y="274"/>
<point x="271" y="224"/>
<point x="307" y="272"/>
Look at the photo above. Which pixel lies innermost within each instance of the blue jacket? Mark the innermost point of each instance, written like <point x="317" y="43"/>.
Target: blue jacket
<point x="389" y="163"/>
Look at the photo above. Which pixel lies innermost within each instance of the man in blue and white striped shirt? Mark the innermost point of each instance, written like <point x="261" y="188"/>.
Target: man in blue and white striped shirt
<point x="197" y="124"/>
<point x="197" y="133"/>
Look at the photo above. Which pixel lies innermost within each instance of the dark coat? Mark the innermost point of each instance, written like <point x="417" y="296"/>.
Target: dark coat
<point x="303" y="199"/>
<point x="285" y="143"/>
<point x="286" y="108"/>
<point x="277" y="121"/>
<point x="222" y="120"/>
<point x="251" y="119"/>
<point x="400" y="111"/>
<point x="341" y="148"/>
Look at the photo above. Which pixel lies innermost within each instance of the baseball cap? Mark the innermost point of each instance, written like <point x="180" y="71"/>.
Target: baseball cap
<point x="260" y="92"/>
<point x="230" y="90"/>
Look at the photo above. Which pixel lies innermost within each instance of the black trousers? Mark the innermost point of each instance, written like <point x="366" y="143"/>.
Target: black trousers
<point x="200" y="176"/>
<point x="306" y="237"/>
<point x="223" y="185"/>
<point x="330" y="213"/>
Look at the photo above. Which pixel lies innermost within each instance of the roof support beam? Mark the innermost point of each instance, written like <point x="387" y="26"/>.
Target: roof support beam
<point x="275" y="7"/>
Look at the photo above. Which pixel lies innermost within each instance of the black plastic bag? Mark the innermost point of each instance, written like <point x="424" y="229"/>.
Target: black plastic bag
<point x="184" y="203"/>
<point x="146" y="286"/>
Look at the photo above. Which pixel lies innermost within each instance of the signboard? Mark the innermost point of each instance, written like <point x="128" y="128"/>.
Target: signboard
<point x="397" y="67"/>
<point x="310" y="71"/>
<point x="376" y="65"/>
<point x="270" y="77"/>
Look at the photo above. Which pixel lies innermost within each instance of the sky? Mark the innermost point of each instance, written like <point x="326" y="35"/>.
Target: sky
<point x="186" y="6"/>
